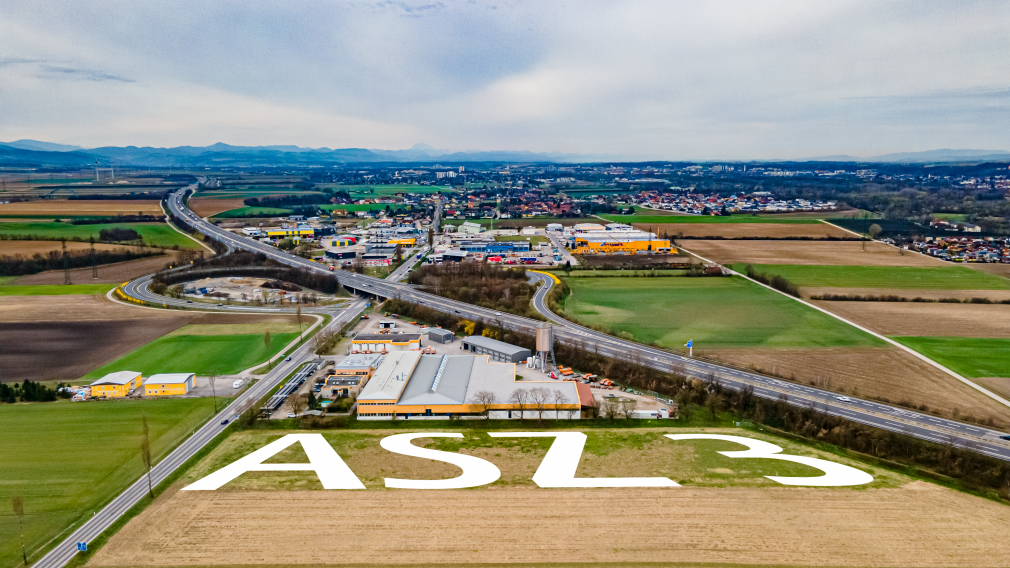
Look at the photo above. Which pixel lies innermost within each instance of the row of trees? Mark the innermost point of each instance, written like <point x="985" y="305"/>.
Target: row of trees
<point x="18" y="265"/>
<point x="30" y="391"/>
<point x="487" y="285"/>
<point x="537" y="400"/>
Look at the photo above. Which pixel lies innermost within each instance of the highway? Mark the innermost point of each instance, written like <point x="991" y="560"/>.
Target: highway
<point x="924" y="426"/>
<point x="103" y="519"/>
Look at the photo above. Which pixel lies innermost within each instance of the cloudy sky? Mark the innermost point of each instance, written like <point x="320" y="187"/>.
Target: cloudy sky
<point x="664" y="79"/>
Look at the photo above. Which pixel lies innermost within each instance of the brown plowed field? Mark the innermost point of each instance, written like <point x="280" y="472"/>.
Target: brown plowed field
<point x="917" y="319"/>
<point x="743" y="230"/>
<point x="917" y="524"/>
<point x="886" y="372"/>
<point x="28" y="248"/>
<point x="808" y="252"/>
<point x="999" y="385"/>
<point x="210" y="206"/>
<point x="997" y="269"/>
<point x="107" y="273"/>
<point x="994" y="295"/>
<point x="112" y="207"/>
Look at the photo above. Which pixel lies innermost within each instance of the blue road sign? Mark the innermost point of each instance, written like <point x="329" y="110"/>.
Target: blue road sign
<point x="82" y="546"/>
<point x="690" y="343"/>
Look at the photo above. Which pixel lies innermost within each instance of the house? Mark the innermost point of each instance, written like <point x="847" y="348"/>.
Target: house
<point x="169" y="384"/>
<point x="115" y="385"/>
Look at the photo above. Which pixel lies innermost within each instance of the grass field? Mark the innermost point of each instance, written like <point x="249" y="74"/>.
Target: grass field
<point x="190" y="349"/>
<point x="359" y="191"/>
<point x="67" y="459"/>
<point x="360" y="206"/>
<point x="155" y="234"/>
<point x="897" y="277"/>
<point x="252" y="212"/>
<point x="714" y="312"/>
<point x="969" y="356"/>
<point x="54" y="289"/>
<point x="653" y="218"/>
<point x="534" y="240"/>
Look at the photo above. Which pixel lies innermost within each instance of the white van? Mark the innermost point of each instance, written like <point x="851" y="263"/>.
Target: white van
<point x="237" y="384"/>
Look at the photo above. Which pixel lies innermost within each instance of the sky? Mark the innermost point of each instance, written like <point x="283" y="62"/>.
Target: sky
<point x="634" y="79"/>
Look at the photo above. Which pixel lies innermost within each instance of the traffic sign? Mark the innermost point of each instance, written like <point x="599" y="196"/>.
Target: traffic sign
<point x="82" y="547"/>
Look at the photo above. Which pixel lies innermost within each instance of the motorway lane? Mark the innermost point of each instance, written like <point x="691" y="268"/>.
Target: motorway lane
<point x="65" y="551"/>
<point x="140" y="289"/>
<point x="924" y="426"/>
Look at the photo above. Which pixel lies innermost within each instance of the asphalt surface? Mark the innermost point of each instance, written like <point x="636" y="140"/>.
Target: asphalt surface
<point x="103" y="519"/>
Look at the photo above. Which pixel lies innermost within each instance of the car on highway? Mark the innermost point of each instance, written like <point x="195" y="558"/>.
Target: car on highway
<point x="1005" y="437"/>
<point x="843" y="398"/>
<point x="189" y="301"/>
<point x="457" y="311"/>
<point x="224" y="422"/>
<point x="288" y="359"/>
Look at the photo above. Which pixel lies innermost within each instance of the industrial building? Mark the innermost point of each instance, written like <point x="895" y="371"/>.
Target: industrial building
<point x="358" y="365"/>
<point x="619" y="242"/>
<point x="118" y="384"/>
<point x="284" y="232"/>
<point x="410" y="385"/>
<point x="169" y="384"/>
<point x="469" y="228"/>
<point x="439" y="335"/>
<point x="385" y="343"/>
<point x="496" y="350"/>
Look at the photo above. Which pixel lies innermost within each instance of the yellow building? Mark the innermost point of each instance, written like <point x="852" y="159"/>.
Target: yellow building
<point x="168" y="384"/>
<point x="403" y="241"/>
<point x="114" y="385"/>
<point x="281" y="233"/>
<point x="622" y="243"/>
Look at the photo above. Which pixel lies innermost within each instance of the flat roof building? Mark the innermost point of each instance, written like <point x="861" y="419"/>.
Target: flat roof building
<point x="497" y="350"/>
<point x="439" y="335"/>
<point x="383" y="343"/>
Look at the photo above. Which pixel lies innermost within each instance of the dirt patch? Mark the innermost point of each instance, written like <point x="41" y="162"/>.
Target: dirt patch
<point x="915" y="318"/>
<point x="999" y="385"/>
<point x="886" y="372"/>
<point x="918" y="524"/>
<point x="994" y="295"/>
<point x="116" y="273"/>
<point x="210" y="206"/>
<point x="28" y="248"/>
<point x="807" y="252"/>
<point x="744" y="230"/>
<point x="997" y="269"/>
<point x="112" y="207"/>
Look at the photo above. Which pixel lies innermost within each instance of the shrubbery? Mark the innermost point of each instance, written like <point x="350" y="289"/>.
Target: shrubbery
<point x="487" y="285"/>
<point x="19" y="265"/>
<point x="118" y="235"/>
<point x="775" y="281"/>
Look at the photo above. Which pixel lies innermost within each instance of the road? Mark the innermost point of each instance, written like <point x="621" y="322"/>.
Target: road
<point x="103" y="519"/>
<point x="924" y="426"/>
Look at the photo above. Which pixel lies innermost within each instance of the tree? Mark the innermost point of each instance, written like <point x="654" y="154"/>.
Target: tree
<point x="483" y="400"/>
<point x="560" y="398"/>
<point x="612" y="405"/>
<point x="212" y="378"/>
<point x="310" y="401"/>
<point x="874" y="231"/>
<point x="266" y="344"/>
<point x="540" y="398"/>
<point x="628" y="406"/>
<point x="714" y="404"/>
<point x="298" y="316"/>
<point x="145" y="454"/>
<point x="298" y="404"/>
<point x="18" y="505"/>
<point x="521" y="398"/>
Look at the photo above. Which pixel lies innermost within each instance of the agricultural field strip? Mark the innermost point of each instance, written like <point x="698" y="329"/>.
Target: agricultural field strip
<point x="610" y="346"/>
<point x="771" y="389"/>
<point x="913" y="352"/>
<point x="183" y="233"/>
<point x="65" y="551"/>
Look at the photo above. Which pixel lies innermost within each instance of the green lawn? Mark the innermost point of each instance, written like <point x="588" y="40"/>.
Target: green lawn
<point x="654" y="218"/>
<point x="190" y="350"/>
<point x="53" y="289"/>
<point x="969" y="356"/>
<point x="252" y="212"/>
<point x="67" y="459"/>
<point x="714" y="312"/>
<point x="362" y="206"/>
<point x="896" y="277"/>
<point x="157" y="234"/>
<point x="533" y="239"/>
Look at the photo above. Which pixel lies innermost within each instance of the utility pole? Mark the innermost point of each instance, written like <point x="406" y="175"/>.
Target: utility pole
<point x="94" y="259"/>
<point x="66" y="264"/>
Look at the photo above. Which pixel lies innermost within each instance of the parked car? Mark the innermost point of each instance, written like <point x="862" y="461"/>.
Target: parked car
<point x="291" y="414"/>
<point x="237" y="384"/>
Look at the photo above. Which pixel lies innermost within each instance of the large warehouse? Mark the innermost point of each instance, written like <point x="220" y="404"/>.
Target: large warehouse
<point x="620" y="242"/>
<point x="496" y="350"/>
<point x="410" y="385"/>
<point x="118" y="384"/>
<point x="385" y="342"/>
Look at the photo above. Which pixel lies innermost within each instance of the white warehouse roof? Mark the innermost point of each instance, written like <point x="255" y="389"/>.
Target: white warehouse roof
<point x="117" y="378"/>
<point x="169" y="378"/>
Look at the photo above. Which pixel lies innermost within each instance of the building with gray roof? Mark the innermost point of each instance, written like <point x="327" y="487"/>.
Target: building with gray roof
<point x="496" y="350"/>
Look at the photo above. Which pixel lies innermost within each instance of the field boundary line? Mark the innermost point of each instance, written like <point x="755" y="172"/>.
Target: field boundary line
<point x="319" y="320"/>
<point x="909" y="350"/>
<point x="187" y="235"/>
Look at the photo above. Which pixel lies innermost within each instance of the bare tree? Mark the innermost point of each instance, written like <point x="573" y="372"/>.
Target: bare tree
<point x="145" y="454"/>
<point x="298" y="315"/>
<point x="323" y="341"/>
<point x="628" y="406"/>
<point x="540" y="398"/>
<point x="299" y="403"/>
<point x="484" y="400"/>
<point x="560" y="398"/>
<point x="521" y="398"/>
<point x="212" y="378"/>
<point x="611" y="405"/>
<point x="18" y="505"/>
<point x="714" y="404"/>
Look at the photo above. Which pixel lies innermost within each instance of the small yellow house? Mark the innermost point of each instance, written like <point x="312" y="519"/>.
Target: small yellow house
<point x="117" y="384"/>
<point x="168" y="384"/>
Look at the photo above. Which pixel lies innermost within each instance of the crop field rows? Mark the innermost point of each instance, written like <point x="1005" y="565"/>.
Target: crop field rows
<point x="154" y="234"/>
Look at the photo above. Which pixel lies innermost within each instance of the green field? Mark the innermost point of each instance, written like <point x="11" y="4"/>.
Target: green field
<point x="969" y="356"/>
<point x="67" y="459"/>
<point x="252" y="212"/>
<point x="53" y="289"/>
<point x="155" y="234"/>
<point x="896" y="277"/>
<point x="650" y="217"/>
<point x="362" y="206"/>
<point x="359" y="191"/>
<point x="533" y="239"/>
<point x="714" y="312"/>
<point x="190" y="349"/>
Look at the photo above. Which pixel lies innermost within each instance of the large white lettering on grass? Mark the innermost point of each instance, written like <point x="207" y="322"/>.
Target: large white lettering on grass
<point x="835" y="474"/>
<point x="562" y="460"/>
<point x="332" y="471"/>
<point x="475" y="470"/>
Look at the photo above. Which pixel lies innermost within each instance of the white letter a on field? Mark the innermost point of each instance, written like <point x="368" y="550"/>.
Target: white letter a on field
<point x="332" y="471"/>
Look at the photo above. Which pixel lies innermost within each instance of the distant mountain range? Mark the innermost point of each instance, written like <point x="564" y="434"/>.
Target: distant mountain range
<point x="33" y="153"/>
